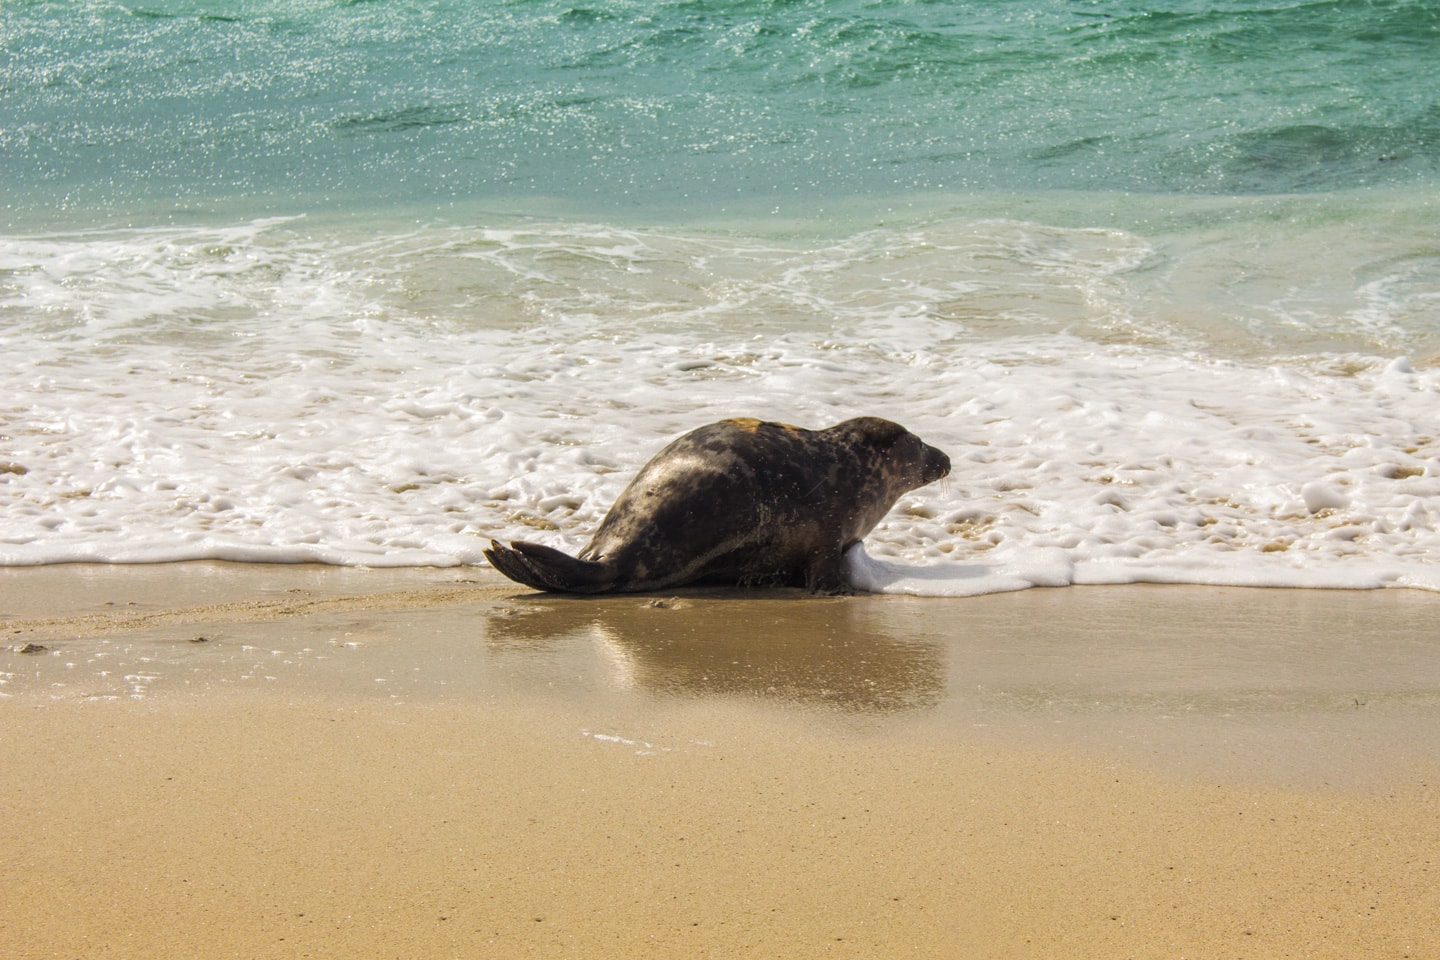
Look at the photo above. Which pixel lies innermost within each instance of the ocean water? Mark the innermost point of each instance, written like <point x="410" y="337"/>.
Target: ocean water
<point x="369" y="283"/>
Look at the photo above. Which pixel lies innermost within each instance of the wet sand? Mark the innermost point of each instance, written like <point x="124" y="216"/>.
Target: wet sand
<point x="234" y="760"/>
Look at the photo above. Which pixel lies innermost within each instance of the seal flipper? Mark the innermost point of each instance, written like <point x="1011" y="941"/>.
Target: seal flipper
<point x="544" y="568"/>
<point x="826" y="574"/>
<point x="510" y="563"/>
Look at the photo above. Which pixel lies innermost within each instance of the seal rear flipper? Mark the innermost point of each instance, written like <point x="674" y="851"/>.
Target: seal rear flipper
<point x="547" y="569"/>
<point x="563" y="572"/>
<point x="510" y="563"/>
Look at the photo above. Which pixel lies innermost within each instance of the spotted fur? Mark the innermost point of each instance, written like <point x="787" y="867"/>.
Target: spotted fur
<point x="740" y="502"/>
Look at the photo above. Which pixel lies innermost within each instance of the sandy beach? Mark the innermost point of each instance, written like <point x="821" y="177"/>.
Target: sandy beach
<point x="239" y="760"/>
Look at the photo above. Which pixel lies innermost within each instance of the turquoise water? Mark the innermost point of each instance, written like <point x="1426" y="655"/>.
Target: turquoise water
<point x="112" y="111"/>
<point x="373" y="282"/>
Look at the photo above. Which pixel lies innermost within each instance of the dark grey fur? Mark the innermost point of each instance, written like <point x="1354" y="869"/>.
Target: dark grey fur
<point x="740" y="502"/>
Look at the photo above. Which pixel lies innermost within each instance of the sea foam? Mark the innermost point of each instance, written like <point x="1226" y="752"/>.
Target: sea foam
<point x="262" y="392"/>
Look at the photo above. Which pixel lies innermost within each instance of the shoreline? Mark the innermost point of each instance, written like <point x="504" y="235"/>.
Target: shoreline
<point x="430" y="761"/>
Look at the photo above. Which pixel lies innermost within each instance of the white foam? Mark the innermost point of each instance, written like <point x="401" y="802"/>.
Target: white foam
<point x="256" y="394"/>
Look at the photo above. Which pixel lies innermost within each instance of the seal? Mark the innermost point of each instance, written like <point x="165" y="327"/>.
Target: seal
<point x="740" y="502"/>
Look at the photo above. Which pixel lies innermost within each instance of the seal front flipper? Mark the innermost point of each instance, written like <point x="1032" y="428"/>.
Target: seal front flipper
<point x="826" y="574"/>
<point x="547" y="569"/>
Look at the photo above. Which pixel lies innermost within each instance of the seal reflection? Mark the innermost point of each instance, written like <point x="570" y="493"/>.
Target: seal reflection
<point x="860" y="656"/>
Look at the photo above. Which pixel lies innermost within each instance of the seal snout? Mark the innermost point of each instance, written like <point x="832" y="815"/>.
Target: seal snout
<point x="937" y="465"/>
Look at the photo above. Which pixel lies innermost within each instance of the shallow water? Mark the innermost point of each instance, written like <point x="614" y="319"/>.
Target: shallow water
<point x="370" y="285"/>
<point x="693" y="105"/>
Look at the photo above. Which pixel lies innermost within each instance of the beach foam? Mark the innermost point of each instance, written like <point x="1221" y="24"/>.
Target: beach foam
<point x="269" y="392"/>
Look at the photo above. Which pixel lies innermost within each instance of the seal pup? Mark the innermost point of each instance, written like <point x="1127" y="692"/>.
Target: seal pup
<point x="740" y="502"/>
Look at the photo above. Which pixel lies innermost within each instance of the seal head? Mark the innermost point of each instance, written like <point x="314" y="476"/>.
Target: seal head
<point x="740" y="502"/>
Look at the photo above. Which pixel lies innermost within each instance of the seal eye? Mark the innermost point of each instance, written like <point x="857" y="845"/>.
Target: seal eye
<point x="906" y="445"/>
<point x="879" y="432"/>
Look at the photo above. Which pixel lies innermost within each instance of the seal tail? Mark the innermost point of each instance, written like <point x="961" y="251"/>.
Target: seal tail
<point x="545" y="569"/>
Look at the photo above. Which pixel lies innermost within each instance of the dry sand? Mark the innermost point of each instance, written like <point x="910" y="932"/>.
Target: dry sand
<point x="216" y="760"/>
